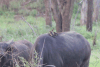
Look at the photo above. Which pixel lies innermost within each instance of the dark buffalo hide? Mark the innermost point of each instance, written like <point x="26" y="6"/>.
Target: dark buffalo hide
<point x="67" y="49"/>
<point x="11" y="51"/>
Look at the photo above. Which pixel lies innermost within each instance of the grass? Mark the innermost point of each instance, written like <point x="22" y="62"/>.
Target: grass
<point x="19" y="30"/>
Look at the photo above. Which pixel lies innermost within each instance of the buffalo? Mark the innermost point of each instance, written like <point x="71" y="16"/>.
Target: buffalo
<point x="10" y="53"/>
<point x="66" y="49"/>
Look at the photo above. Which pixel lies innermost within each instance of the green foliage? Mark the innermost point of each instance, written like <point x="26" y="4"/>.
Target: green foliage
<point x="40" y="4"/>
<point x="1" y="11"/>
<point x="76" y="6"/>
<point x="34" y="5"/>
<point x="16" y="8"/>
<point x="33" y="13"/>
<point x="75" y="10"/>
<point x="87" y="35"/>
<point x="25" y="63"/>
<point x="15" y="4"/>
<point x="6" y="13"/>
<point x="95" y="59"/>
<point x="24" y="12"/>
<point x="78" y="16"/>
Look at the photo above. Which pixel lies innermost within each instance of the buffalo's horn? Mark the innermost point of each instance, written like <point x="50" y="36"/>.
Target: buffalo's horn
<point x="10" y="41"/>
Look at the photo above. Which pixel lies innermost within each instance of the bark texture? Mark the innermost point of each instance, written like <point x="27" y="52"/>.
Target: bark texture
<point x="48" y="17"/>
<point x="84" y="13"/>
<point x="96" y="10"/>
<point x="89" y="15"/>
<point x="66" y="16"/>
<point x="57" y="15"/>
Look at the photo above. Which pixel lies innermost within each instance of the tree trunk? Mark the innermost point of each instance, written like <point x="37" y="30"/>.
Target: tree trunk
<point x="66" y="16"/>
<point x="89" y="15"/>
<point x="57" y="16"/>
<point x="71" y="8"/>
<point x="62" y="12"/>
<point x="48" y="12"/>
<point x="84" y="13"/>
<point x="96" y="10"/>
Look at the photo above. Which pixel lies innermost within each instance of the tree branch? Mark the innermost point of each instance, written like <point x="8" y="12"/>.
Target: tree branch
<point x="29" y="25"/>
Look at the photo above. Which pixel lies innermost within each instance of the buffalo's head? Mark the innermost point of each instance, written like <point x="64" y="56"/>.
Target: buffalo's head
<point x="6" y="54"/>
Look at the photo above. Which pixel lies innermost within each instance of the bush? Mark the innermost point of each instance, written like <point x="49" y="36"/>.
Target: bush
<point x="24" y="12"/>
<point x="33" y="13"/>
<point x="15" y="4"/>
